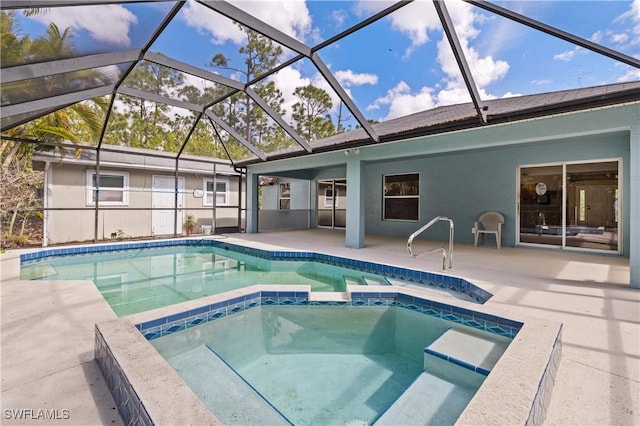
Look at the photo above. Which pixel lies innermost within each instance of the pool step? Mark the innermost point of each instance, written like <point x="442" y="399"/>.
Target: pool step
<point x="433" y="399"/>
<point x="328" y="296"/>
<point x="368" y="280"/>
<point x="38" y="271"/>
<point x="365" y="280"/>
<point x="472" y="349"/>
<point x="455" y="365"/>
<point x="228" y="396"/>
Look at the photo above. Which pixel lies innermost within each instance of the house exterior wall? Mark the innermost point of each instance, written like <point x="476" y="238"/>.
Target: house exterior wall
<point x="226" y="214"/>
<point x="466" y="172"/>
<point x="67" y="189"/>
<point x="271" y="217"/>
<point x="463" y="185"/>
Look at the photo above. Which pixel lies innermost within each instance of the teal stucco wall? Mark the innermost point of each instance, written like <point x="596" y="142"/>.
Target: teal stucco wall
<point x="462" y="185"/>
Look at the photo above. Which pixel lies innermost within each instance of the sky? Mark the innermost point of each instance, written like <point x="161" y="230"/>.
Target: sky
<point x="397" y="66"/>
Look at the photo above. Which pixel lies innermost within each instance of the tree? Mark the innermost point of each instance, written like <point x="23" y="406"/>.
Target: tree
<point x="143" y="123"/>
<point x="311" y="113"/>
<point x="78" y="123"/>
<point x="260" y="55"/>
<point x="203" y="141"/>
<point x="19" y="199"/>
<point x="61" y="125"/>
<point x="14" y="46"/>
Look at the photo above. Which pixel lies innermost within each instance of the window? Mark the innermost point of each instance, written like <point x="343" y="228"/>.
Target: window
<point x="401" y="199"/>
<point x="284" y="202"/>
<point x="113" y="188"/>
<point x="222" y="196"/>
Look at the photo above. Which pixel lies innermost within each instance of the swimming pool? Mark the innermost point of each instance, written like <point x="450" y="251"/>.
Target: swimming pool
<point x="329" y="365"/>
<point x="136" y="277"/>
<point x="147" y="390"/>
<point x="140" y="379"/>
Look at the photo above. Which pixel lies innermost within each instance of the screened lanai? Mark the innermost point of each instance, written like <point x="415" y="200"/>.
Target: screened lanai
<point x="171" y="84"/>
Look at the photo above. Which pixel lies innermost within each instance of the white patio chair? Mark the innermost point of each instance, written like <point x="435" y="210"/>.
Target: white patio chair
<point x="489" y="223"/>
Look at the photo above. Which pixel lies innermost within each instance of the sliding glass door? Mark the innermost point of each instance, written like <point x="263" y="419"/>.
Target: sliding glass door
<point x="571" y="205"/>
<point x="332" y="203"/>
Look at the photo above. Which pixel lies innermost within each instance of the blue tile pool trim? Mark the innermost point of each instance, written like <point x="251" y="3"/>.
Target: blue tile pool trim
<point x="542" y="399"/>
<point x="457" y="361"/>
<point x="177" y="322"/>
<point x="129" y="405"/>
<point x="428" y="279"/>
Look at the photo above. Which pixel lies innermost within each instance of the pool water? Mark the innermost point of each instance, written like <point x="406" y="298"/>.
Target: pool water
<point x="311" y="365"/>
<point x="138" y="280"/>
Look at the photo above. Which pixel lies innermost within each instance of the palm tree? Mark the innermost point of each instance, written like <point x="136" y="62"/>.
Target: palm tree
<point x="79" y="122"/>
<point x="14" y="47"/>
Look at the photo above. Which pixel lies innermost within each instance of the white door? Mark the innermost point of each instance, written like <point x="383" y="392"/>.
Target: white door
<point x="163" y="197"/>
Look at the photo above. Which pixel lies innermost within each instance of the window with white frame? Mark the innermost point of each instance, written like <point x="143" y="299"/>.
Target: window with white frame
<point x="113" y="188"/>
<point x="284" y="201"/>
<point x="221" y="193"/>
<point x="401" y="199"/>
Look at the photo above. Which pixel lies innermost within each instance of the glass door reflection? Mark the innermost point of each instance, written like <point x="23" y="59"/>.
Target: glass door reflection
<point x="592" y="205"/>
<point x="332" y="203"/>
<point x="541" y="205"/>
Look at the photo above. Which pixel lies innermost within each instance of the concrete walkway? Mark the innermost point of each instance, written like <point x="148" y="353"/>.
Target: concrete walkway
<point x="48" y="327"/>
<point x="49" y="375"/>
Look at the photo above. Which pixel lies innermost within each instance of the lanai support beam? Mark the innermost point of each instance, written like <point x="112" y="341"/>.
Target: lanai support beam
<point x="458" y="53"/>
<point x="634" y="194"/>
<point x="354" y="233"/>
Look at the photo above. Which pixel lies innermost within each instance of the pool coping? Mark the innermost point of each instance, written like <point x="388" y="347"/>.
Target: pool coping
<point x="411" y="276"/>
<point x="517" y="391"/>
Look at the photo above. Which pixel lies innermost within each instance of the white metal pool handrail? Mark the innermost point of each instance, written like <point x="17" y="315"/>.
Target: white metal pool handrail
<point x="444" y="252"/>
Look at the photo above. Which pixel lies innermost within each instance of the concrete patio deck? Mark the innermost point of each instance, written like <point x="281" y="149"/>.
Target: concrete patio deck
<point x="47" y="327"/>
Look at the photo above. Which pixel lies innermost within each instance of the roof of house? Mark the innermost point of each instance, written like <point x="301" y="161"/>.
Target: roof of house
<point x="463" y="116"/>
<point x="132" y="158"/>
<point x="20" y="106"/>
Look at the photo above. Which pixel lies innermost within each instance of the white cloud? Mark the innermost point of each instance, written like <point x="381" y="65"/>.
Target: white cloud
<point x="291" y="17"/>
<point x="206" y="21"/>
<point x="541" y="82"/>
<point x="633" y="74"/>
<point x="565" y="56"/>
<point x="597" y="36"/>
<point x="415" y="20"/>
<point x="621" y="38"/>
<point x="339" y="17"/>
<point x="485" y="69"/>
<point x="401" y="101"/>
<point x="628" y="37"/>
<point x="511" y="95"/>
<point x="633" y="14"/>
<point x="287" y="81"/>
<point x="111" y="72"/>
<point x="348" y="78"/>
<point x="453" y="95"/>
<point x="406" y="104"/>
<point x="108" y="23"/>
<point x="568" y="55"/>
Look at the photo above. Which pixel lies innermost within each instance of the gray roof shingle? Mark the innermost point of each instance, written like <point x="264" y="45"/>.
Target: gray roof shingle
<point x="462" y="116"/>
